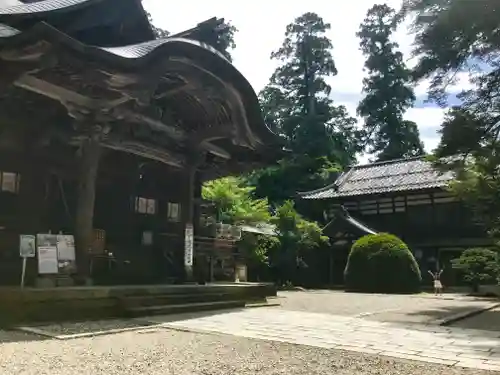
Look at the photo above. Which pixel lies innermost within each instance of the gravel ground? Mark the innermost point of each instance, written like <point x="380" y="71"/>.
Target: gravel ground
<point x="422" y="308"/>
<point x="163" y="352"/>
<point x="489" y="320"/>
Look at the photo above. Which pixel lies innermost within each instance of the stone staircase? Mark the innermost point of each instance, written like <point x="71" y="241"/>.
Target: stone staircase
<point x="102" y="302"/>
<point x="173" y="303"/>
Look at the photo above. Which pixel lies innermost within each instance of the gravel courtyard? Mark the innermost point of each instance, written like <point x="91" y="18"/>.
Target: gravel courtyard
<point x="179" y="348"/>
<point x="165" y="352"/>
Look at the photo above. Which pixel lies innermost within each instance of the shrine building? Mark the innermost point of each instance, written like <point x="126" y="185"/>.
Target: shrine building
<point x="107" y="135"/>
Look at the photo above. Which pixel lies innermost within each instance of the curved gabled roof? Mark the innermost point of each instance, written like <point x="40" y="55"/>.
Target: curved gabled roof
<point x="136" y="57"/>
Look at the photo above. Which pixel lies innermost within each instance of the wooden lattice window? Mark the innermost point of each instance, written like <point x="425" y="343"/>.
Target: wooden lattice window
<point x="145" y="205"/>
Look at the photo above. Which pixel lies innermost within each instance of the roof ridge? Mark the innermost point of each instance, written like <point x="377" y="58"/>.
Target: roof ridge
<point x="385" y="162"/>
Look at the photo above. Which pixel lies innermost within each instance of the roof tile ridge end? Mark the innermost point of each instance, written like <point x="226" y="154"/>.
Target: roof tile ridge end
<point x="333" y="185"/>
<point x="392" y="161"/>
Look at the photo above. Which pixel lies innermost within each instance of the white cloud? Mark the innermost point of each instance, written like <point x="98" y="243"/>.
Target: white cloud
<point x="262" y="25"/>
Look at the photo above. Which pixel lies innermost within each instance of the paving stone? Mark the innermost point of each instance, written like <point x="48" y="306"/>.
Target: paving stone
<point x="492" y="362"/>
<point x="427" y="344"/>
<point x="477" y="364"/>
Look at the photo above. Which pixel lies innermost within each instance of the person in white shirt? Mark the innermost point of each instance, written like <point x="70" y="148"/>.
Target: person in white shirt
<point x="438" y="286"/>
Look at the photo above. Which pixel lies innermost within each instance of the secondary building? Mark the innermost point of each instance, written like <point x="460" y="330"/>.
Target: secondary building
<point x="406" y="197"/>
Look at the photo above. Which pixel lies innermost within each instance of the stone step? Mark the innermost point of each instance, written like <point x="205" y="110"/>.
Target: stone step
<point x="187" y="307"/>
<point x="176" y="299"/>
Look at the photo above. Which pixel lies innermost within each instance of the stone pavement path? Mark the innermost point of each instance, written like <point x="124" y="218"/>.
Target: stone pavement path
<point x="444" y="345"/>
<point x="419" y="308"/>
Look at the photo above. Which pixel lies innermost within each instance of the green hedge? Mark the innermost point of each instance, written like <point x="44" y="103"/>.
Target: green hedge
<point x="381" y="263"/>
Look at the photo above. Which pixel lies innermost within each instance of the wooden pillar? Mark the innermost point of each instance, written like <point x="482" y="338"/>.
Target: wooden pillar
<point x="89" y="164"/>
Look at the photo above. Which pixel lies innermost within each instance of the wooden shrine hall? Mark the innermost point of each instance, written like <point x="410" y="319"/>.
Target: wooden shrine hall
<point x="406" y="197"/>
<point x="108" y="133"/>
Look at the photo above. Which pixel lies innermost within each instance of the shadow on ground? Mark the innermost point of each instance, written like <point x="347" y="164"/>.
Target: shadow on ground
<point x="449" y="312"/>
<point x="7" y="336"/>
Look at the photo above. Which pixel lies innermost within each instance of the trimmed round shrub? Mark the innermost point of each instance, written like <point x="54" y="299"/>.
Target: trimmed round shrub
<point x="381" y="263"/>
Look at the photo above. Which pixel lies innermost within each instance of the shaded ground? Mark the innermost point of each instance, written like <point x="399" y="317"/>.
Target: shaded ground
<point x="421" y="308"/>
<point x="489" y="320"/>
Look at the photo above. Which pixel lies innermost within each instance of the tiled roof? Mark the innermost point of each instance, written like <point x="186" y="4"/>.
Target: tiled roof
<point x="15" y="7"/>
<point x="384" y="177"/>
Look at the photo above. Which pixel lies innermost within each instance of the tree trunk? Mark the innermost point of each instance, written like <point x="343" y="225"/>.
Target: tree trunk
<point x="89" y="164"/>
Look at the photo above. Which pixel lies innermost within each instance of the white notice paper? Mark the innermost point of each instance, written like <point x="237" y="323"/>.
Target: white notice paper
<point x="66" y="247"/>
<point x="47" y="260"/>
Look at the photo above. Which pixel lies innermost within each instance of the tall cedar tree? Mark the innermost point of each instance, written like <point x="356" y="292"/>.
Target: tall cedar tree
<point x="321" y="137"/>
<point x="296" y="102"/>
<point x="387" y="88"/>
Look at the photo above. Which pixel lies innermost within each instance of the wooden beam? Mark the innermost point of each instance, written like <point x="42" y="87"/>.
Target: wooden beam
<point x="63" y="95"/>
<point x="171" y="131"/>
<point x="212" y="133"/>
<point x="216" y="150"/>
<point x="145" y="150"/>
<point x="52" y="91"/>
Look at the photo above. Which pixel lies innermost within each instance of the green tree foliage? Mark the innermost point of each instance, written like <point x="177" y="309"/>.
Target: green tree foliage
<point x="225" y="39"/>
<point x="234" y="202"/>
<point x="478" y="186"/>
<point x="387" y="88"/>
<point x="382" y="263"/>
<point x="452" y="37"/>
<point x="479" y="266"/>
<point x="282" y="181"/>
<point x="456" y="36"/>
<point x="296" y="236"/>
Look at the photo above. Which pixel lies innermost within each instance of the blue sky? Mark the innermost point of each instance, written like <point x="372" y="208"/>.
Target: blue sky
<point x="261" y="26"/>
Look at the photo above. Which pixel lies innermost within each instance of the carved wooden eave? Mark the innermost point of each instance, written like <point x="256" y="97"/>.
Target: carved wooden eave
<point x="160" y="99"/>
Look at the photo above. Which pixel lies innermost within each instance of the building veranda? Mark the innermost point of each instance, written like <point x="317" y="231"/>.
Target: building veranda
<point x="107" y="135"/>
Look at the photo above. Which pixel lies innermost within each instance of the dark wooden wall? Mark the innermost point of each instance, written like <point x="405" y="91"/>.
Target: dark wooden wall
<point x="435" y="225"/>
<point x="45" y="200"/>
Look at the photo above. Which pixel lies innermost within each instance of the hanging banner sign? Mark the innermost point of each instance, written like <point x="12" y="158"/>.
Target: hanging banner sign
<point x="188" y="245"/>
